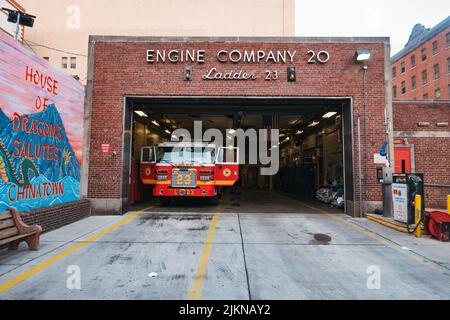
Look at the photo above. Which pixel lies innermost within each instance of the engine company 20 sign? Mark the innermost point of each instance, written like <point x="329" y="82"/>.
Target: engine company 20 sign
<point x="41" y="129"/>
<point x="245" y="57"/>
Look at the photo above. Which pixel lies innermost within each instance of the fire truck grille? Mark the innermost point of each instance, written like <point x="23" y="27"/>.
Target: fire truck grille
<point x="182" y="178"/>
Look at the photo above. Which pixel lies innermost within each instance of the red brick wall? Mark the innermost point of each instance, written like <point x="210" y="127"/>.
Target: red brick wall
<point x="440" y="58"/>
<point x="54" y="217"/>
<point x="432" y="155"/>
<point x="120" y="68"/>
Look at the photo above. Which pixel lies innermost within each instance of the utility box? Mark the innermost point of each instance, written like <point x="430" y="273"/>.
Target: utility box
<point x="405" y="187"/>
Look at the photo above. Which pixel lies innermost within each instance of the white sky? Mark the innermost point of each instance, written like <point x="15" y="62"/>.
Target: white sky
<point x="388" y="18"/>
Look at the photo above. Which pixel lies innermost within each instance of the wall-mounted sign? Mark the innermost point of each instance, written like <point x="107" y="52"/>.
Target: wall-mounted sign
<point x="379" y="159"/>
<point x="400" y="199"/>
<point x="234" y="57"/>
<point x="106" y="148"/>
<point x="41" y="130"/>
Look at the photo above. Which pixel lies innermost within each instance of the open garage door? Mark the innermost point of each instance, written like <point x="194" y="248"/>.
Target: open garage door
<point x="313" y="146"/>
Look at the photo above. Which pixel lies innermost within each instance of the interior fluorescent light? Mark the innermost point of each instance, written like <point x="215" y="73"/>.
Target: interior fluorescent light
<point x="167" y="131"/>
<point x="329" y="115"/>
<point x="313" y="124"/>
<point x="299" y="132"/>
<point x="141" y="114"/>
<point x="156" y="123"/>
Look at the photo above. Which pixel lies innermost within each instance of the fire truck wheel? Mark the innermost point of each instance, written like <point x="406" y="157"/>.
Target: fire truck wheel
<point x="165" y="202"/>
<point x="214" y="201"/>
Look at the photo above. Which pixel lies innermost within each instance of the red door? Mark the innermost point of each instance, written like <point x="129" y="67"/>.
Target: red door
<point x="402" y="160"/>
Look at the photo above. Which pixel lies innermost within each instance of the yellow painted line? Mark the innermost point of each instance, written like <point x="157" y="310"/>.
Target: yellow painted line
<point x="196" y="288"/>
<point x="380" y="239"/>
<point x="40" y="267"/>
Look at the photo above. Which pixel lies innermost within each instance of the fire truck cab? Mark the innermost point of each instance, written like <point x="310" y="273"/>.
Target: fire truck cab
<point x="197" y="170"/>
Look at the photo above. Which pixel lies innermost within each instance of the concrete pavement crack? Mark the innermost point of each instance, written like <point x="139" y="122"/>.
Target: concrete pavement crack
<point x="245" y="260"/>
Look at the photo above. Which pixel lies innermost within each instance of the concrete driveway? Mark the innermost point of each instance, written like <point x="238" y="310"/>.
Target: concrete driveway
<point x="266" y="246"/>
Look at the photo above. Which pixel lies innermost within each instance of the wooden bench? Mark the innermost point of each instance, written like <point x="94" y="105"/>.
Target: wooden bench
<point x="13" y="231"/>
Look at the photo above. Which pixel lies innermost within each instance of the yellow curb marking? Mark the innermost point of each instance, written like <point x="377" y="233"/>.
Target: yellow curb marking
<point x="38" y="268"/>
<point x="196" y="288"/>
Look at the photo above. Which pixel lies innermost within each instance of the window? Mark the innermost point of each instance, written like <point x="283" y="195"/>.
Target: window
<point x="437" y="94"/>
<point x="448" y="91"/>
<point x="424" y="77"/>
<point x="403" y="87"/>
<point x="394" y="72"/>
<point x="447" y="39"/>
<point x="413" y="61"/>
<point x="413" y="83"/>
<point x="73" y="62"/>
<point x="64" y="62"/>
<point x="47" y="58"/>
<point x="448" y="65"/>
<point x="424" y="54"/>
<point x="403" y="67"/>
<point x="394" y="91"/>
<point x="425" y="96"/>
<point x="436" y="73"/>
<point x="435" y="47"/>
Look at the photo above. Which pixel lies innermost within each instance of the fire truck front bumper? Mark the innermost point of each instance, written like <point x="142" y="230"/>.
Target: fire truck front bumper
<point x="199" y="191"/>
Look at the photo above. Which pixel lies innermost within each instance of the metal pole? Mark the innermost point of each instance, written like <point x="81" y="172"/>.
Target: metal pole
<point x="361" y="208"/>
<point x="418" y="215"/>
<point x="366" y="149"/>
<point x="16" y="36"/>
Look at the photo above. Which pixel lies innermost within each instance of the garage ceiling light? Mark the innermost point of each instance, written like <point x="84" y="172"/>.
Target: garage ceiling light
<point x="156" y="123"/>
<point x="141" y="114"/>
<point x="362" y="55"/>
<point x="299" y="132"/>
<point x="329" y="115"/>
<point x="313" y="124"/>
<point x="167" y="131"/>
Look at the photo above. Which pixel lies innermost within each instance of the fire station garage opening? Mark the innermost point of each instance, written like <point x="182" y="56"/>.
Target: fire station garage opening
<point x="308" y="161"/>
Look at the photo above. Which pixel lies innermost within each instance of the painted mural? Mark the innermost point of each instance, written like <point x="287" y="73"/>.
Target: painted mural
<point x="41" y="130"/>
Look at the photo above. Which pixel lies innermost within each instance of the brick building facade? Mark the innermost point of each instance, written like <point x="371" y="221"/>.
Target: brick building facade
<point x="423" y="126"/>
<point x="421" y="71"/>
<point x="118" y="69"/>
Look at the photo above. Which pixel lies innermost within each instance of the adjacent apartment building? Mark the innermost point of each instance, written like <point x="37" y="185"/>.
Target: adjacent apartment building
<point x="421" y="71"/>
<point x="421" y="109"/>
<point x="62" y="28"/>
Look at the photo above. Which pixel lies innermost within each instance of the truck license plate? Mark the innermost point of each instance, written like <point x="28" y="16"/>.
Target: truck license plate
<point x="184" y="178"/>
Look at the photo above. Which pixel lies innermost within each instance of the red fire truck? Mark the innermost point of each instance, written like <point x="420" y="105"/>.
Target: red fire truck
<point x="197" y="170"/>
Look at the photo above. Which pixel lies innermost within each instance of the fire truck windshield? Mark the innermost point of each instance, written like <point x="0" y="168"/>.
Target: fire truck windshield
<point x="186" y="155"/>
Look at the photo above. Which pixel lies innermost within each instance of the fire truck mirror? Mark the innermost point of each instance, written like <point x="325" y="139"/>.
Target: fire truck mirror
<point x="148" y="155"/>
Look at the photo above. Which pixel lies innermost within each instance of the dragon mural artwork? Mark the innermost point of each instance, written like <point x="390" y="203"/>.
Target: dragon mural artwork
<point x="8" y="172"/>
<point x="41" y="130"/>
